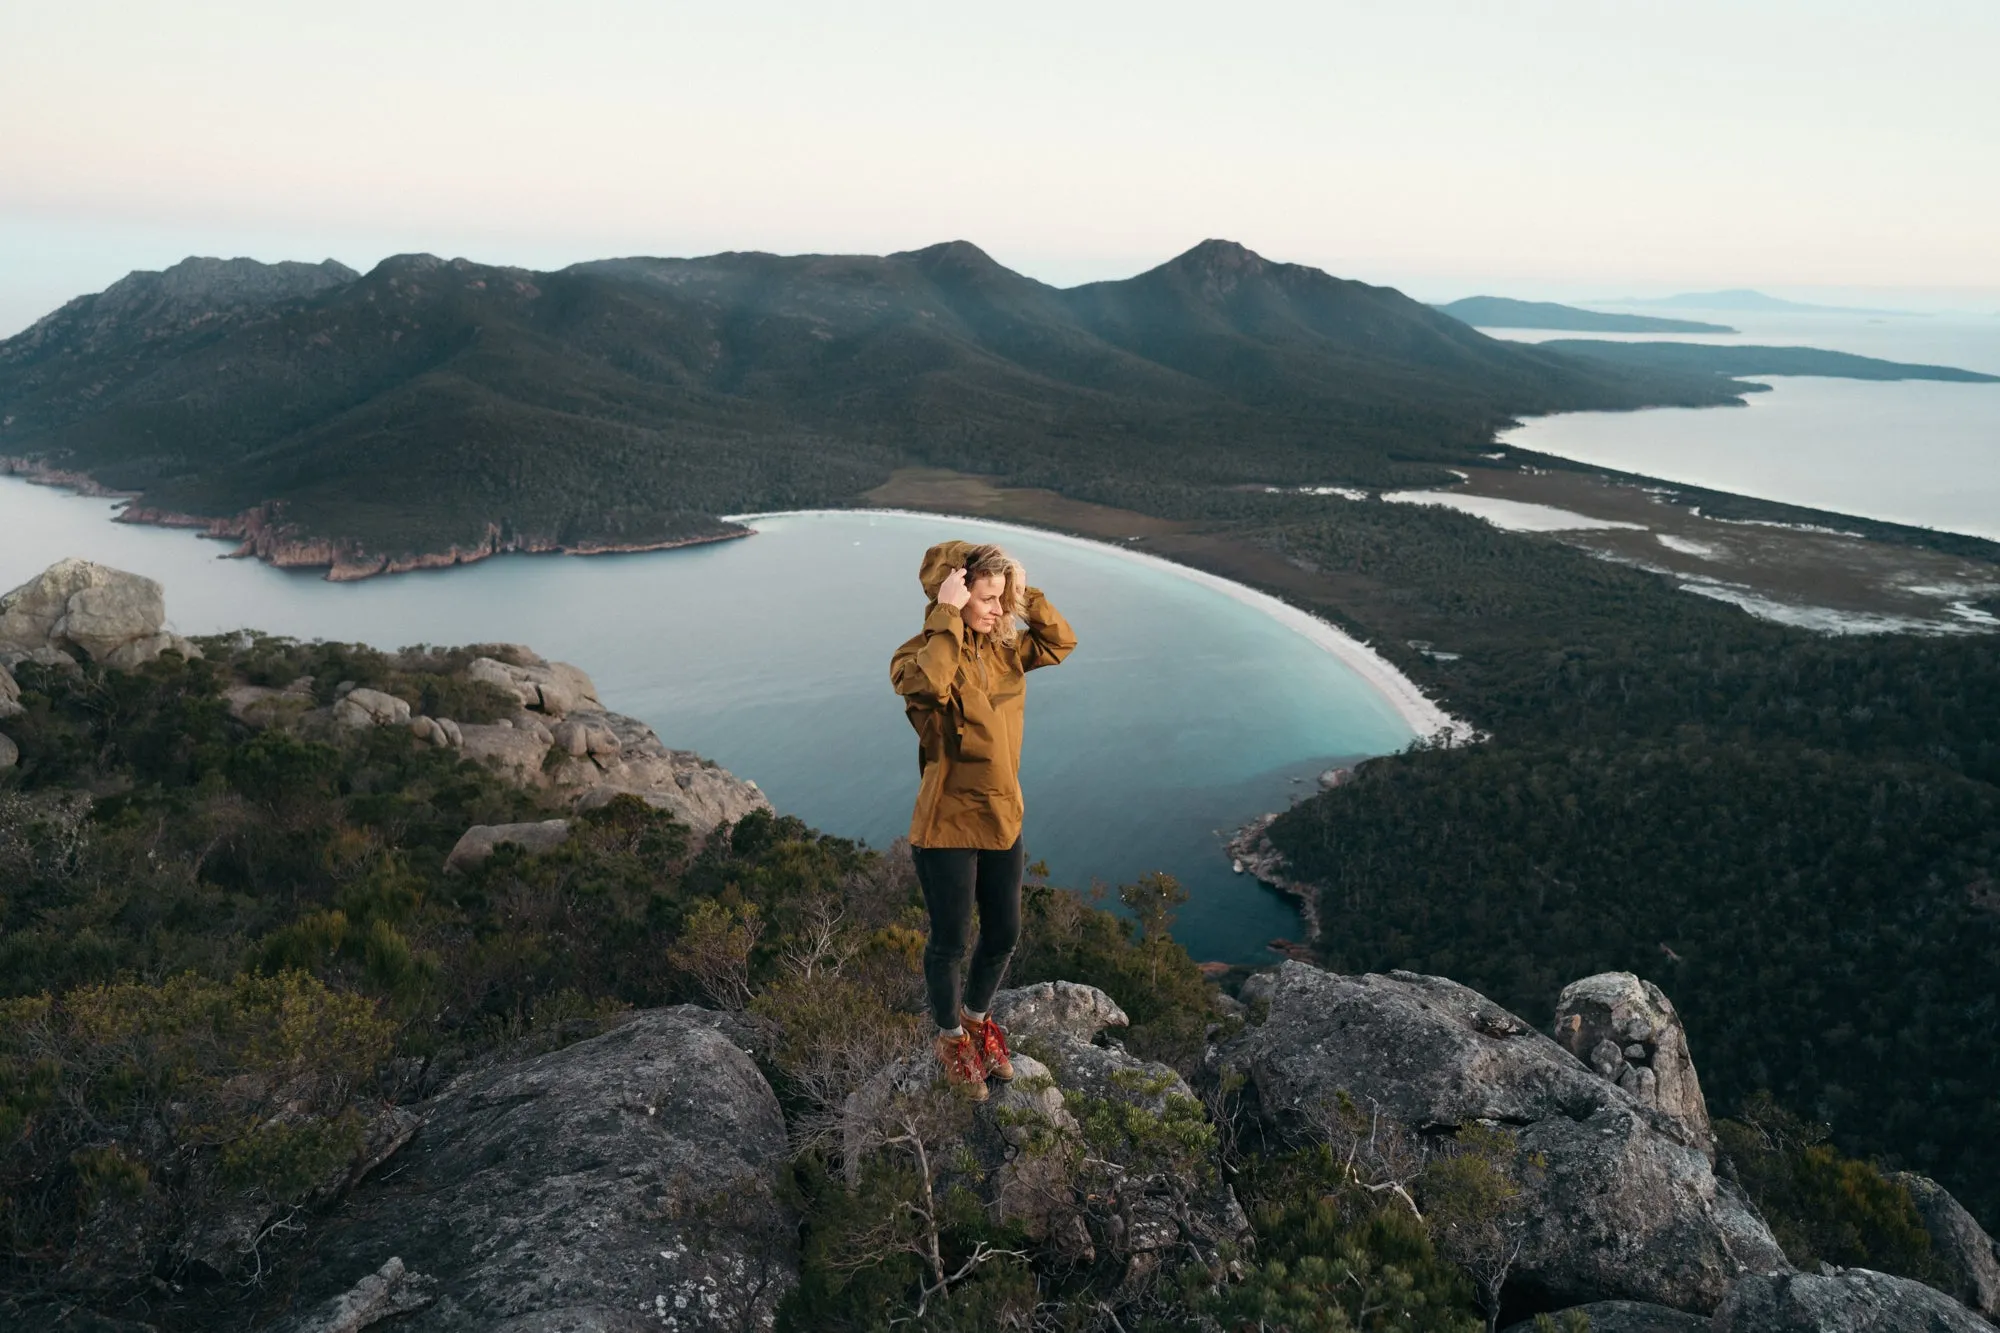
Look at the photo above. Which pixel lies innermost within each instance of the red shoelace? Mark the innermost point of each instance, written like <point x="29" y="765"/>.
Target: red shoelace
<point x="992" y="1043"/>
<point x="962" y="1061"/>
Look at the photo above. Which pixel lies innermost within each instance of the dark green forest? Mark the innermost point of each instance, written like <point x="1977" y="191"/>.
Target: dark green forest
<point x="1796" y="835"/>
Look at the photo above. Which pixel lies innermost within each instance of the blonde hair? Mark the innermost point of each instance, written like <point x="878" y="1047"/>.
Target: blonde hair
<point x="985" y="562"/>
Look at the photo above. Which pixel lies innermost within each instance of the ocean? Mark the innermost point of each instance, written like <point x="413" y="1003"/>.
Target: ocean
<point x="1907" y="451"/>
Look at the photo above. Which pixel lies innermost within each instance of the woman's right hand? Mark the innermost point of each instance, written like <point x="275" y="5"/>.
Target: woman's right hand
<point x="952" y="592"/>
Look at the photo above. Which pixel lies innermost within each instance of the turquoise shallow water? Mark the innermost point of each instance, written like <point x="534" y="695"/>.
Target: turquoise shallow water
<point x="1183" y="713"/>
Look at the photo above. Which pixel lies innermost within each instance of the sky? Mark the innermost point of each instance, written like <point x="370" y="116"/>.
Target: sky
<point x="1560" y="149"/>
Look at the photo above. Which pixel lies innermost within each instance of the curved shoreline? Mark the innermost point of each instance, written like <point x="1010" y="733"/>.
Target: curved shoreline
<point x="1422" y="715"/>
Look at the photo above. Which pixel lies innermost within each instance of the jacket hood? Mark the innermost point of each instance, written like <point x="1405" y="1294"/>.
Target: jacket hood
<point x="939" y="561"/>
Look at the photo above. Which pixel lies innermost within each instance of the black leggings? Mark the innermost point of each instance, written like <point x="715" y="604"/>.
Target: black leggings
<point x="953" y="878"/>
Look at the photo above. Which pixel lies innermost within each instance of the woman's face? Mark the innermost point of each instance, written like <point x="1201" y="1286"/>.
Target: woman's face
<point x="986" y="603"/>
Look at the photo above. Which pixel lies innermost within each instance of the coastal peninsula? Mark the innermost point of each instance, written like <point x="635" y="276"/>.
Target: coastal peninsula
<point x="1735" y="360"/>
<point x="1500" y="312"/>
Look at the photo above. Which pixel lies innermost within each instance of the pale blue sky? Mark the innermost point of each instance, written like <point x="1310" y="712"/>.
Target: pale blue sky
<point x="1533" y="147"/>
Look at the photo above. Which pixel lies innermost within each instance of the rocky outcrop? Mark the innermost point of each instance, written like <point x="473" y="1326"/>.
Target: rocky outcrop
<point x="1029" y="1160"/>
<point x="626" y="1182"/>
<point x="1625" y="1205"/>
<point x="628" y="758"/>
<point x="477" y="843"/>
<point x="1050" y="1010"/>
<point x="370" y="708"/>
<point x="10" y="754"/>
<point x="262" y="706"/>
<point x="550" y="687"/>
<point x="1852" y="1300"/>
<point x="78" y="607"/>
<point x="1627" y="1031"/>
<point x="516" y="754"/>
<point x="1252" y="851"/>
<point x="1013" y="1151"/>
<point x="1969" y="1257"/>
<point x="1152" y="1214"/>
<point x="439" y="731"/>
<point x="389" y="1291"/>
<point x="562" y="740"/>
<point x="1625" y="1317"/>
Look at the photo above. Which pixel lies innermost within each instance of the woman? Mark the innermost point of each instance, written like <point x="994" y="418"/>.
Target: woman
<point x="962" y="682"/>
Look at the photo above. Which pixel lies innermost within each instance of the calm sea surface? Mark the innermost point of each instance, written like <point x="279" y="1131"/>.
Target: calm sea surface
<point x="1906" y="451"/>
<point x="1182" y="713"/>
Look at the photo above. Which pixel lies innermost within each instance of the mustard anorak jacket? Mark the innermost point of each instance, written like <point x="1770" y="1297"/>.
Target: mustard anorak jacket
<point x="965" y="694"/>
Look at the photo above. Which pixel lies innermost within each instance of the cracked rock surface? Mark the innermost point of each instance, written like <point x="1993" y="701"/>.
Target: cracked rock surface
<point x="1626" y="1207"/>
<point x="622" y="1183"/>
<point x="1628" y="1031"/>
<point x="1850" y="1300"/>
<point x="78" y="607"/>
<point x="1969" y="1257"/>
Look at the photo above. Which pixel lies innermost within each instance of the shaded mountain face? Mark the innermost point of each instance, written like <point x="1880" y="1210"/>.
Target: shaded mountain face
<point x="431" y="401"/>
<point x="165" y="308"/>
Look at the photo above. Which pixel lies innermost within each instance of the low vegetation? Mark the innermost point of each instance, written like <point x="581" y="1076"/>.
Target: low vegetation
<point x="226" y="951"/>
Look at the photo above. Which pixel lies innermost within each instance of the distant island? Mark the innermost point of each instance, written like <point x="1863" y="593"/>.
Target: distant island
<point x="1501" y="312"/>
<point x="1742" y="298"/>
<point x="1735" y="360"/>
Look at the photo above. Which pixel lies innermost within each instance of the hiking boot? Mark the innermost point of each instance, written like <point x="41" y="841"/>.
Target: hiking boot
<point x="962" y="1066"/>
<point x="990" y="1040"/>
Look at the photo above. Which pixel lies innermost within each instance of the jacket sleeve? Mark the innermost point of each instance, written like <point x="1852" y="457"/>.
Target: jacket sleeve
<point x="925" y="670"/>
<point x="1050" y="639"/>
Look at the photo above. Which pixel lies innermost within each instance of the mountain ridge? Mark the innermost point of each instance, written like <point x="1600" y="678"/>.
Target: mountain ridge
<point x="415" y="410"/>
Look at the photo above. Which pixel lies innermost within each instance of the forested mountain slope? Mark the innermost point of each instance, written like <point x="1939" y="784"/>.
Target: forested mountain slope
<point x="433" y="402"/>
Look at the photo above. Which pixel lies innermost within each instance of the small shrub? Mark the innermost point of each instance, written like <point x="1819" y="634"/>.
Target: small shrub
<point x="1820" y="1203"/>
<point x="714" y="949"/>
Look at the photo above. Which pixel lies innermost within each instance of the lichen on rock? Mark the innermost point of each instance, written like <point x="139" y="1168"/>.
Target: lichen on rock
<point x="1625" y="1205"/>
<point x="1628" y="1031"/>
<point x="618" y="1183"/>
<point x="77" y="606"/>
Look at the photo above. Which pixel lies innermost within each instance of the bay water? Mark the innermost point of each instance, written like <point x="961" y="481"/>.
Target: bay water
<point x="1906" y="451"/>
<point x="1184" y="712"/>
